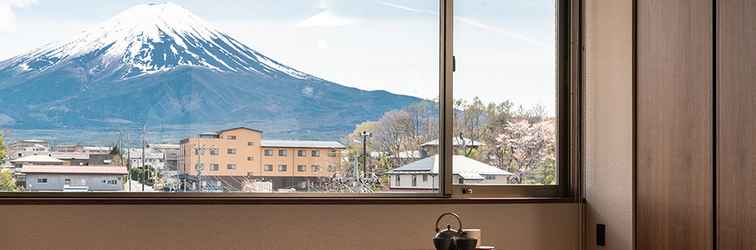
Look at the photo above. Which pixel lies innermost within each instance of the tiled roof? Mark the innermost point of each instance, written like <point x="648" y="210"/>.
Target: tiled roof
<point x="301" y="144"/>
<point x="465" y="167"/>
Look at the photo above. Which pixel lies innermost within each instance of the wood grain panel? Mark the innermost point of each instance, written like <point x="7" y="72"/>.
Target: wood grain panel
<point x="674" y="206"/>
<point x="736" y="90"/>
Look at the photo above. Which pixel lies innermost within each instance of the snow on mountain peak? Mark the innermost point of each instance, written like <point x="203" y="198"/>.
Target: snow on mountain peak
<point x="155" y="37"/>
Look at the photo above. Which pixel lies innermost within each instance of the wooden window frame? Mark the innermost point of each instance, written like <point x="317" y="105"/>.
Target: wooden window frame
<point x="569" y="110"/>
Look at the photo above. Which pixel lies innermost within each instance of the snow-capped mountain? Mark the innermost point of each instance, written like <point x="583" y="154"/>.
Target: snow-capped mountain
<point x="152" y="38"/>
<point x="159" y="64"/>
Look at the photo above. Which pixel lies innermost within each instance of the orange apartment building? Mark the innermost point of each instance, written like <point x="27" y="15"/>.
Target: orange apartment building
<point x="231" y="157"/>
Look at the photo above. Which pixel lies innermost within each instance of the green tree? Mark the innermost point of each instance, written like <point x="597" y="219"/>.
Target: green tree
<point x="2" y="150"/>
<point x="144" y="174"/>
<point x="7" y="182"/>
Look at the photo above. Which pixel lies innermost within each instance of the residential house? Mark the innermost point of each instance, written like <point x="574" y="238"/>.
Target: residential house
<point x="424" y="174"/>
<point x="49" y="178"/>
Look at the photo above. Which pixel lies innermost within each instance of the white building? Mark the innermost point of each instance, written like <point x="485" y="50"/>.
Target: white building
<point x="25" y="148"/>
<point x="423" y="174"/>
<point x="74" y="178"/>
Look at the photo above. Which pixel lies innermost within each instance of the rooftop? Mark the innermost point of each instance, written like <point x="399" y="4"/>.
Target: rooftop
<point x="37" y="158"/>
<point x="74" y="170"/>
<point x="465" y="167"/>
<point x="301" y="144"/>
<point x="457" y="142"/>
<point x="70" y="155"/>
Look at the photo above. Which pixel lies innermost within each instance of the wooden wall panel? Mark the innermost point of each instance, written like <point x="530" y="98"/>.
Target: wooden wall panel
<point x="736" y="147"/>
<point x="674" y="171"/>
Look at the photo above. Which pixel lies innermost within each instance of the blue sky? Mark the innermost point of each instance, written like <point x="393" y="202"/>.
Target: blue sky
<point x="504" y="48"/>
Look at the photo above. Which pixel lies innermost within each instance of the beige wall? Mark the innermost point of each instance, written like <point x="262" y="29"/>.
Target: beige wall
<point x="608" y="158"/>
<point x="243" y="150"/>
<point x="332" y="227"/>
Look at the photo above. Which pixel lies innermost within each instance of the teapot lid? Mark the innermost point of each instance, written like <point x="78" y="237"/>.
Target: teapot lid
<point x="448" y="232"/>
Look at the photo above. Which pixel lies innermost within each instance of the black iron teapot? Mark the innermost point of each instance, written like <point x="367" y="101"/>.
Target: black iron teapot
<point x="452" y="239"/>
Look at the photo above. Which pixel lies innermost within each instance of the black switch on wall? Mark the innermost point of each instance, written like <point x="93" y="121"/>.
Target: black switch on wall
<point x="601" y="234"/>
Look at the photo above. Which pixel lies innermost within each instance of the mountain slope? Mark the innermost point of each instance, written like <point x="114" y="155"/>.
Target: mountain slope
<point x="158" y="64"/>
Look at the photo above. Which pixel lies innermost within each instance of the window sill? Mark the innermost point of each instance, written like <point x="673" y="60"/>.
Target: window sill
<point x="58" y="199"/>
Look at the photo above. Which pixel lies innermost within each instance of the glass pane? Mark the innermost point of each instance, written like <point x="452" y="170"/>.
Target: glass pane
<point x="219" y="96"/>
<point x="505" y="92"/>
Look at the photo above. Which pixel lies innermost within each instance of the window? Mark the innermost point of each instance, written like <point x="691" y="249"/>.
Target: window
<point x="380" y="106"/>
<point x="68" y="181"/>
<point x="42" y="180"/>
<point x="519" y="113"/>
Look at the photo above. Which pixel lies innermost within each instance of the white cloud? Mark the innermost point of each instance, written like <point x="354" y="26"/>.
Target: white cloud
<point x="8" y="15"/>
<point x="469" y="21"/>
<point x="326" y="19"/>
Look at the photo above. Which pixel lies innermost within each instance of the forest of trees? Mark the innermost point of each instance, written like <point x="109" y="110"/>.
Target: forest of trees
<point x="514" y="138"/>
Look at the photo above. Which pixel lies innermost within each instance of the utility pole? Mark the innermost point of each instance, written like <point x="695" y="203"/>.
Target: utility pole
<point x="200" y="150"/>
<point x="128" y="158"/>
<point x="144" y="155"/>
<point x="365" y="135"/>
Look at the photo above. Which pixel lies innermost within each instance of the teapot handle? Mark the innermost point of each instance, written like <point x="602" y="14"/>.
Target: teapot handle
<point x="459" y="221"/>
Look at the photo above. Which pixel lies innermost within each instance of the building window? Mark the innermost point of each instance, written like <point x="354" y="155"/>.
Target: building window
<point x="301" y="168"/>
<point x="68" y="181"/>
<point x="231" y="151"/>
<point x="283" y="152"/>
<point x="425" y="178"/>
<point x="398" y="180"/>
<point x="301" y="153"/>
<point x="231" y="166"/>
<point x="315" y="168"/>
<point x="268" y="168"/>
<point x="231" y="137"/>
<point x="332" y="153"/>
<point x="214" y="151"/>
<point x="250" y="158"/>
<point x="42" y="180"/>
<point x="490" y="177"/>
<point x="282" y="168"/>
<point x="316" y="153"/>
<point x="268" y="152"/>
<point x="214" y="167"/>
<point x="414" y="180"/>
<point x="250" y="143"/>
<point x="331" y="168"/>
